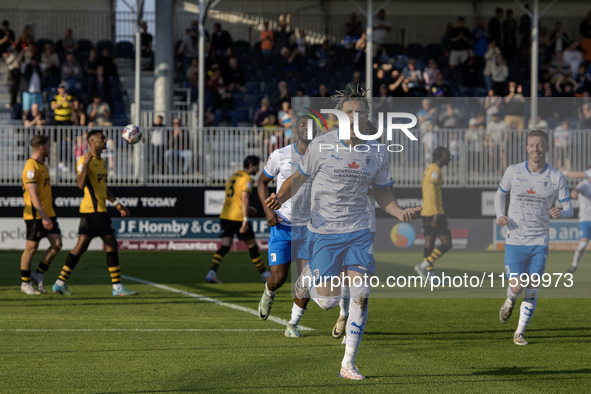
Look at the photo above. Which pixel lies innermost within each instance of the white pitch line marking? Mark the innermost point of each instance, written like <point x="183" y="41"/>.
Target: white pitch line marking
<point x="138" y="330"/>
<point x="212" y="300"/>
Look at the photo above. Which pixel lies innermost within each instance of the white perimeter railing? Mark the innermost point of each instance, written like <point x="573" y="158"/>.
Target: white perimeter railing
<point x="184" y="157"/>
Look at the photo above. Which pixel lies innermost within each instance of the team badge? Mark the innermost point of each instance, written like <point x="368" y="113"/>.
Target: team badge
<point x="369" y="161"/>
<point x="30" y="174"/>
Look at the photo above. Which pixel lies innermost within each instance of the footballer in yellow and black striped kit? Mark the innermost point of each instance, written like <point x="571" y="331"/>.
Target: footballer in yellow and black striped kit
<point x="234" y="219"/>
<point x="434" y="221"/>
<point x="39" y="215"/>
<point x="94" y="220"/>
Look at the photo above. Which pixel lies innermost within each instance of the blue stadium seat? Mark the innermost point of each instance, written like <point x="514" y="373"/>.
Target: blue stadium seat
<point x="105" y="44"/>
<point x="394" y="49"/>
<point x="40" y="44"/>
<point x="312" y="89"/>
<point x="84" y="46"/>
<point x="400" y="61"/>
<point x="58" y="47"/>
<point x="241" y="47"/>
<point x="415" y="50"/>
<point x="243" y="113"/>
<point x="124" y="49"/>
<point x="253" y="87"/>
<point x="433" y="51"/>
<point x="253" y="99"/>
<point x="238" y="98"/>
<point x="250" y="74"/>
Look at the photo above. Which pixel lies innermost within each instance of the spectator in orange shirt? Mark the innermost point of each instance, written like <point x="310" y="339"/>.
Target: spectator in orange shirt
<point x="266" y="40"/>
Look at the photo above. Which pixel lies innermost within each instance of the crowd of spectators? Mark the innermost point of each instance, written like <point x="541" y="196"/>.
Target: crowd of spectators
<point x="69" y="82"/>
<point x="248" y="84"/>
<point x="255" y="84"/>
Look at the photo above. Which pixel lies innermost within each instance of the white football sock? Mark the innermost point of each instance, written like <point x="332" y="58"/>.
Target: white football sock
<point x="528" y="306"/>
<point x="268" y="292"/>
<point x="118" y="286"/>
<point x="424" y="265"/>
<point x="355" y="327"/>
<point x="296" y="314"/>
<point x="512" y="296"/>
<point x="344" y="302"/>
<point x="579" y="253"/>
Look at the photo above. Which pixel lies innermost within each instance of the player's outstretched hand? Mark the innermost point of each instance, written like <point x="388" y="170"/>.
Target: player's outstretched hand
<point x="123" y="210"/>
<point x="409" y="214"/>
<point x="273" y="202"/>
<point x="554" y="212"/>
<point x="87" y="157"/>
<point x="503" y="221"/>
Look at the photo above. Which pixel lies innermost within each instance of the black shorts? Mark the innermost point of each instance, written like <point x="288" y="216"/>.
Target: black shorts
<point x="439" y="230"/>
<point x="96" y="224"/>
<point x="36" y="231"/>
<point x="231" y="227"/>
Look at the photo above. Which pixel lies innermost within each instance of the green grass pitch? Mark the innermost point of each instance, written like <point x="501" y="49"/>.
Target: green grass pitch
<point x="162" y="341"/>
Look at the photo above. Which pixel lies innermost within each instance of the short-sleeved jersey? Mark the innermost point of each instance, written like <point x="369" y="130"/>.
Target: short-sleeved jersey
<point x="95" y="185"/>
<point x="63" y="112"/>
<point x="432" y="200"/>
<point x="235" y="185"/>
<point x="280" y="165"/>
<point x="584" y="190"/>
<point x="36" y="172"/>
<point x="532" y="195"/>
<point x="341" y="180"/>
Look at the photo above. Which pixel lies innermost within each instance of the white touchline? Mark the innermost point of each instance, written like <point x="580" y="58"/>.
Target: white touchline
<point x="212" y="300"/>
<point x="137" y="329"/>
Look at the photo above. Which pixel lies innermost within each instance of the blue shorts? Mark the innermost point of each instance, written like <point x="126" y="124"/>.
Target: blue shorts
<point x="299" y="242"/>
<point x="331" y="253"/>
<point x="31" y="98"/>
<point x="525" y="259"/>
<point x="585" y="230"/>
<point x="288" y="244"/>
<point x="280" y="245"/>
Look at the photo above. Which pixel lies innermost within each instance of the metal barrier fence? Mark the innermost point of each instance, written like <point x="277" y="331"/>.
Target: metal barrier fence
<point x="184" y="157"/>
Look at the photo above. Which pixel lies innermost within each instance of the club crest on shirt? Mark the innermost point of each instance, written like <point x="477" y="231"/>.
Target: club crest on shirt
<point x="369" y="161"/>
<point x="30" y="174"/>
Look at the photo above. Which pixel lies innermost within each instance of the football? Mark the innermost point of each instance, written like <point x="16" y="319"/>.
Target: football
<point x="132" y="134"/>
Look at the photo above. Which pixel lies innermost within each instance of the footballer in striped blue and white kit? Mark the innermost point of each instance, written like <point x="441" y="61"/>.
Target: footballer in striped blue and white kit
<point x="340" y="237"/>
<point x="288" y="238"/>
<point x="534" y="187"/>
